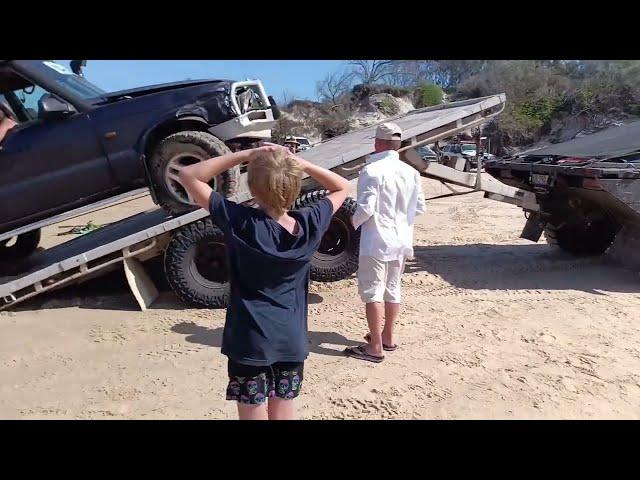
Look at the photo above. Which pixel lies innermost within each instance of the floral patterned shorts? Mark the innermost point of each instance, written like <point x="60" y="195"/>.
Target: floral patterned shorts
<point x="254" y="384"/>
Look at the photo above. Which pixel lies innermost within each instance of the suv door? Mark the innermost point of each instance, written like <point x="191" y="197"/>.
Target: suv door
<point x="48" y="166"/>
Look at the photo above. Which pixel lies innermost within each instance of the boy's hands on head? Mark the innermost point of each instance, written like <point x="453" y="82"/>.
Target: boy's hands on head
<point x="337" y="186"/>
<point x="271" y="148"/>
<point x="268" y="147"/>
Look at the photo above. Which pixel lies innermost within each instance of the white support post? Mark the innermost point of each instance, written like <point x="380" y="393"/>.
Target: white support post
<point x="140" y="283"/>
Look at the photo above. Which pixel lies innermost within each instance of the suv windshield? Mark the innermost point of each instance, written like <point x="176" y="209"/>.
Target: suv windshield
<point x="302" y="141"/>
<point x="425" y="151"/>
<point x="468" y="148"/>
<point x="69" y="81"/>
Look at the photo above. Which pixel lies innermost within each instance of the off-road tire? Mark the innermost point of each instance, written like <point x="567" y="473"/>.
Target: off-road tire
<point x="181" y="265"/>
<point x="583" y="238"/>
<point x="201" y="145"/>
<point x="25" y="245"/>
<point x="327" y="266"/>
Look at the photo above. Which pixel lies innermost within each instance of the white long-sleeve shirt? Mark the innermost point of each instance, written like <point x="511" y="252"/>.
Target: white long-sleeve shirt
<point x="389" y="198"/>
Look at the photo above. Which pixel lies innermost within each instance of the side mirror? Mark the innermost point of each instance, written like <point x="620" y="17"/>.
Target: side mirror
<point x="51" y="108"/>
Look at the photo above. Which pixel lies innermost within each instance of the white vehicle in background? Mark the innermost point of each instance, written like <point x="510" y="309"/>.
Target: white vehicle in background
<point x="304" y="143"/>
<point x="301" y="143"/>
<point x="465" y="152"/>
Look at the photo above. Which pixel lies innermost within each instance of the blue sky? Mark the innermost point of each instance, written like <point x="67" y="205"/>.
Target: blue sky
<point x="296" y="77"/>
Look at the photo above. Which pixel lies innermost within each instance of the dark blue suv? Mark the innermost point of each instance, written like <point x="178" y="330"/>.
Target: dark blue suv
<point x="75" y="144"/>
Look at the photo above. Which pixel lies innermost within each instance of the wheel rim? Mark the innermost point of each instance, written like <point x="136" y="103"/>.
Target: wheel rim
<point x="208" y="265"/>
<point x="172" y="181"/>
<point x="336" y="239"/>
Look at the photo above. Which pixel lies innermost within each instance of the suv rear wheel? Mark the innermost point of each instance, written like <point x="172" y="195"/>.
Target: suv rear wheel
<point x="21" y="246"/>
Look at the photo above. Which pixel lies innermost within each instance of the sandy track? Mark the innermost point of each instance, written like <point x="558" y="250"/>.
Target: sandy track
<point x="494" y="327"/>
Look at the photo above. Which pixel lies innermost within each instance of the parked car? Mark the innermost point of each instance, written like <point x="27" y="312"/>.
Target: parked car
<point x="427" y="153"/>
<point x="301" y="143"/>
<point x="76" y="144"/>
<point x="466" y="151"/>
<point x="304" y="143"/>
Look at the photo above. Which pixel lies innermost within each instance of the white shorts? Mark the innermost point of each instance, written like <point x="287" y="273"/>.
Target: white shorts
<point x="380" y="281"/>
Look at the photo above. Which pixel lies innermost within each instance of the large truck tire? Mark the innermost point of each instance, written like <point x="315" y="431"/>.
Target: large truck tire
<point x="583" y="235"/>
<point x="195" y="261"/>
<point x="195" y="264"/>
<point x="337" y="256"/>
<point x="182" y="149"/>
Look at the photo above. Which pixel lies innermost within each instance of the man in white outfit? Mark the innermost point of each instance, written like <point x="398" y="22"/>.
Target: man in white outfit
<point x="389" y="198"/>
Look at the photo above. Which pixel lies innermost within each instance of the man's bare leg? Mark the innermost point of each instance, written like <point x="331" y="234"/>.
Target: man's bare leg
<point x="375" y="319"/>
<point x="281" y="409"/>
<point x="391" y="312"/>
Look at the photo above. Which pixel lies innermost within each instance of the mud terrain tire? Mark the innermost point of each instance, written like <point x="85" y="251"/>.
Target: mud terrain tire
<point x="195" y="264"/>
<point x="184" y="148"/>
<point x="337" y="256"/>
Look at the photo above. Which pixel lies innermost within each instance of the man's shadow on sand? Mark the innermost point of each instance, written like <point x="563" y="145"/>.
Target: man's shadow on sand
<point x="212" y="337"/>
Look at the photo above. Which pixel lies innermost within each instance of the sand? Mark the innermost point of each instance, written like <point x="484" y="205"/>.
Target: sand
<point x="492" y="327"/>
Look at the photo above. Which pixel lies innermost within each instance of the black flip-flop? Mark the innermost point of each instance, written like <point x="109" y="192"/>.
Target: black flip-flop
<point x="361" y="354"/>
<point x="386" y="348"/>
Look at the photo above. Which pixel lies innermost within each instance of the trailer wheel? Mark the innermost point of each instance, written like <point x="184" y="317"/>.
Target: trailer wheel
<point x="195" y="264"/>
<point x="337" y="256"/>
<point x="179" y="150"/>
<point x="21" y="246"/>
<point x="591" y="234"/>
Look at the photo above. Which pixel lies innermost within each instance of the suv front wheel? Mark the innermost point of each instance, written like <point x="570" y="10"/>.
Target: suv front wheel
<point x="178" y="151"/>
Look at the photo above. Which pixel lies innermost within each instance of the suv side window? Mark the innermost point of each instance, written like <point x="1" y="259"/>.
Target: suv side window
<point x="29" y="98"/>
<point x="22" y="96"/>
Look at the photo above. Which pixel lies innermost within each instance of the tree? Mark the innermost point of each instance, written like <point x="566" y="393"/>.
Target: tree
<point x="369" y="72"/>
<point x="334" y="86"/>
<point x="286" y="98"/>
<point x="445" y="73"/>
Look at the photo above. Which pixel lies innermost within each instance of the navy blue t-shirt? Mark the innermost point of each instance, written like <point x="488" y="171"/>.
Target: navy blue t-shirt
<point x="269" y="278"/>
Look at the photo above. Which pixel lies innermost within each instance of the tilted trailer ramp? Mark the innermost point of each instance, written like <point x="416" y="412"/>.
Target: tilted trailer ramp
<point x="133" y="240"/>
<point x="129" y="241"/>
<point x="346" y="154"/>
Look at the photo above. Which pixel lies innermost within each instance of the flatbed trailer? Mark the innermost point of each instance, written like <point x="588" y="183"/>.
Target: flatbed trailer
<point x="587" y="192"/>
<point x="132" y="241"/>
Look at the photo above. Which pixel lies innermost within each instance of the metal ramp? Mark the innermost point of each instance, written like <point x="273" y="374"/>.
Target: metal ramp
<point x="421" y="126"/>
<point x="346" y="154"/>
<point x="139" y="237"/>
<point x="76" y="212"/>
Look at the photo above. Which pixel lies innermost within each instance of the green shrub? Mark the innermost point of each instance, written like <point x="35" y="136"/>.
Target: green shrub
<point x="429" y="95"/>
<point x="539" y="111"/>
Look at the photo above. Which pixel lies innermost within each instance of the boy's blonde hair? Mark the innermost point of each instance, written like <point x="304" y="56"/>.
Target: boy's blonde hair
<point x="275" y="179"/>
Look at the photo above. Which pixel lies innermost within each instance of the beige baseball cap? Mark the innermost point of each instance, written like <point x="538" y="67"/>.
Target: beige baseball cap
<point x="389" y="131"/>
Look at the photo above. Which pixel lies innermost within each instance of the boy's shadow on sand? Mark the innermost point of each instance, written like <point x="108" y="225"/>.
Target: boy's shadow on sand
<point x="212" y="337"/>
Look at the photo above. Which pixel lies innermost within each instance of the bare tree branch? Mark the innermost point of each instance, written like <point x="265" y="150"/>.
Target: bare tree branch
<point x="334" y="86"/>
<point x="369" y="72"/>
<point x="287" y="98"/>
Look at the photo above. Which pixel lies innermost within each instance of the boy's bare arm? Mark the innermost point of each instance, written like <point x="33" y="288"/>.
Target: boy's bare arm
<point x="338" y="187"/>
<point x="195" y="178"/>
